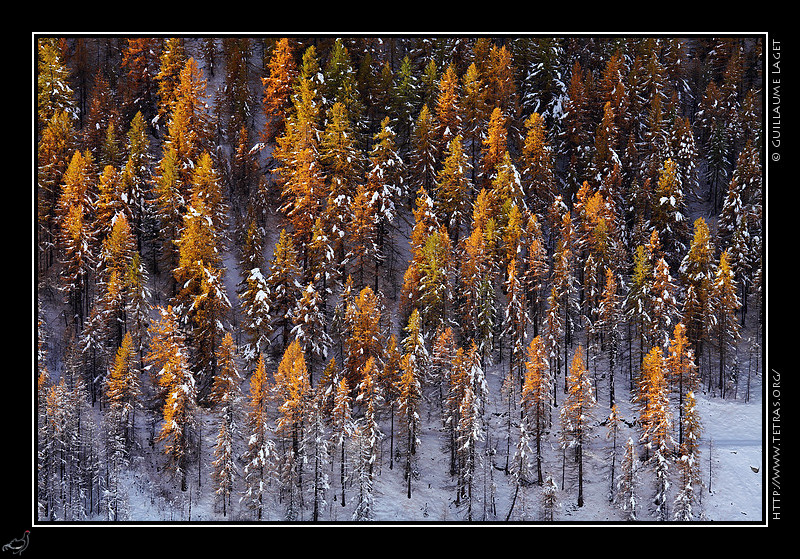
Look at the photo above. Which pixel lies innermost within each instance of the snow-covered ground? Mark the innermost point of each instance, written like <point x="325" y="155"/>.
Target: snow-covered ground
<point x="731" y="463"/>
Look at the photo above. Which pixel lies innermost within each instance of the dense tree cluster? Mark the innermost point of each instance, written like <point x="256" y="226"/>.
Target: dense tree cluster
<point x="314" y="247"/>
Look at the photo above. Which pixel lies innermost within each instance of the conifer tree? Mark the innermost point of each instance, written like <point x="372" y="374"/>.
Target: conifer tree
<point x="681" y="371"/>
<point x="655" y="419"/>
<point x="563" y="282"/>
<point x="201" y="302"/>
<point x="339" y="84"/>
<point x="576" y="413"/>
<point x="663" y="304"/>
<point x="362" y="237"/>
<point x="369" y="436"/>
<point x="171" y="61"/>
<point x="697" y="270"/>
<point x="283" y="287"/>
<point x="724" y="304"/>
<point x="342" y="428"/>
<point x="310" y="329"/>
<point x="140" y="65"/>
<point x="176" y="383"/>
<point x="453" y="188"/>
<point x="536" y="164"/>
<point x="53" y="154"/>
<point x="77" y="237"/>
<point x="669" y="212"/>
<point x="423" y="157"/>
<point x="365" y="338"/>
<point x="343" y="164"/>
<point x="626" y="496"/>
<point x="408" y="402"/>
<point x="54" y="94"/>
<point x="385" y="181"/>
<point x="317" y="452"/>
<point x="226" y="395"/>
<point x="436" y="269"/>
<point x="688" y="463"/>
<point x="535" y="270"/>
<point x="475" y="110"/>
<point x="259" y="456"/>
<point x="549" y="499"/>
<point x="447" y="109"/>
<point x="515" y="321"/>
<point x="536" y="397"/>
<point x="477" y="291"/>
<point x="494" y="147"/>
<point x="469" y="430"/>
<point x="188" y="127"/>
<point x="300" y="174"/>
<point x="293" y="392"/>
<point x="123" y="392"/>
<point x="169" y="199"/>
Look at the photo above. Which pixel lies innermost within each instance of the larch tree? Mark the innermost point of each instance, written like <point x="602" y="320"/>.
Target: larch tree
<point x="453" y="188"/>
<point x="369" y="436"/>
<point x="201" y="301"/>
<point x="188" y="127"/>
<point x="169" y="357"/>
<point x="300" y="173"/>
<point x="475" y="114"/>
<point x="536" y="398"/>
<point x="53" y="154"/>
<point x="171" y="61"/>
<point x="168" y="205"/>
<point x="385" y="180"/>
<point x="408" y="405"/>
<point x="669" y="212"/>
<point x="681" y="371"/>
<point x="564" y="285"/>
<point x="576" y="413"/>
<point x="283" y="287"/>
<point x="626" y="496"/>
<point x="494" y="147"/>
<point x="436" y="270"/>
<point x="365" y="338"/>
<point x="655" y="421"/>
<point x="423" y="157"/>
<point x="697" y="274"/>
<point x="293" y="394"/>
<point x="259" y="457"/>
<point x="123" y="393"/>
<point x="77" y="237"/>
<point x="363" y="253"/>
<point x="447" y="108"/>
<point x="343" y="164"/>
<point x="317" y="453"/>
<point x="310" y="329"/>
<point x="663" y="304"/>
<point x="226" y="396"/>
<point x="688" y="462"/>
<point x="515" y="322"/>
<point x="478" y="293"/>
<point x="256" y="323"/>
<point x="724" y="304"/>
<point x="342" y="429"/>
<point x="54" y="93"/>
<point x="608" y="324"/>
<point x="535" y="270"/>
<point x="537" y="164"/>
<point x="469" y="430"/>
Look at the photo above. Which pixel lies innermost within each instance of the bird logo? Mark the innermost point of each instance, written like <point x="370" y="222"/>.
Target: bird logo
<point x="18" y="545"/>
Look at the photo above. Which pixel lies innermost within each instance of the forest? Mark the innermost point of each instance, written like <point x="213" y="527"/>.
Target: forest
<point x="436" y="279"/>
